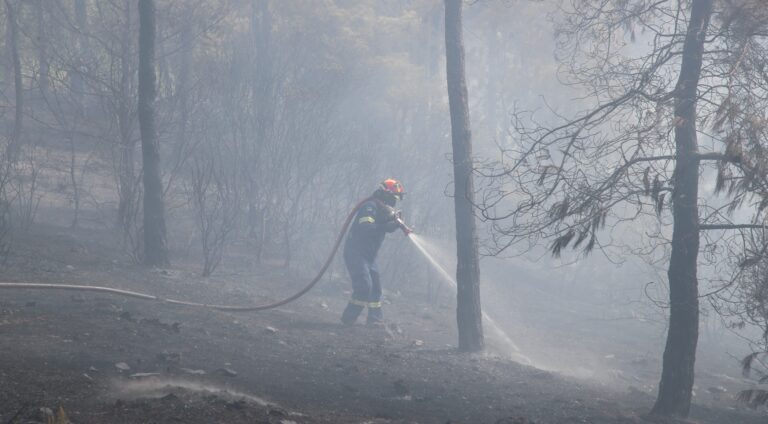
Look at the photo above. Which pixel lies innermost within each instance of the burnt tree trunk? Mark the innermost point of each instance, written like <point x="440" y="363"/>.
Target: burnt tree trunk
<point x="262" y="94"/>
<point x="43" y="78"/>
<point x="492" y="86"/>
<point x="83" y="47"/>
<point x="468" y="312"/>
<point x="182" y="88"/>
<point x="675" y="388"/>
<point x="155" y="248"/>
<point x="14" y="145"/>
<point x="127" y="183"/>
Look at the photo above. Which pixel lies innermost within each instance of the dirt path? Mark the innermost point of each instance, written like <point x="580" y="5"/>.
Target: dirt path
<point x="111" y="360"/>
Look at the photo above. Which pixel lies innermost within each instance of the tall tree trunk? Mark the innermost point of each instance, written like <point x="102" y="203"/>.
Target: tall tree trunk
<point x="126" y="173"/>
<point x="182" y="87"/>
<point x="468" y="312"/>
<point x="675" y="388"/>
<point x="73" y="179"/>
<point x="77" y="83"/>
<point x="155" y="248"/>
<point x="127" y="184"/>
<point x="14" y="145"/>
<point x="7" y="52"/>
<point x="261" y="30"/>
<point x="261" y="92"/>
<point x="42" y="49"/>
<point x="492" y="86"/>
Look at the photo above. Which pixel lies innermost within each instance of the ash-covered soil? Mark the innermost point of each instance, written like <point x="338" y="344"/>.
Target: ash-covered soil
<point x="105" y="359"/>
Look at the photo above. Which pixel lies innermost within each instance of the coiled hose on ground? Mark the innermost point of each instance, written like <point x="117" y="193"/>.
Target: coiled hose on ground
<point x="231" y="308"/>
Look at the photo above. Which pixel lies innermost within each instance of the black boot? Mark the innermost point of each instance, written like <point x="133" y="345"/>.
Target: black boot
<point x="375" y="316"/>
<point x="351" y="313"/>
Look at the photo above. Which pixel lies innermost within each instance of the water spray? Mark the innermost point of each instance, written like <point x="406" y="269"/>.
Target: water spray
<point x="500" y="334"/>
<point x="396" y="215"/>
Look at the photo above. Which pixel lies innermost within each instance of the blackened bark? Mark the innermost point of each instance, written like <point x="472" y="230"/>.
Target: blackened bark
<point x="261" y="92"/>
<point x="14" y="145"/>
<point x="42" y="49"/>
<point x="73" y="179"/>
<point x="80" y="65"/>
<point x="675" y="388"/>
<point x="182" y="88"/>
<point x="492" y="90"/>
<point x="155" y="248"/>
<point x="468" y="312"/>
<point x="127" y="183"/>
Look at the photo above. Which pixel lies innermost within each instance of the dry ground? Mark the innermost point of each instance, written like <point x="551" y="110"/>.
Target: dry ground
<point x="106" y="359"/>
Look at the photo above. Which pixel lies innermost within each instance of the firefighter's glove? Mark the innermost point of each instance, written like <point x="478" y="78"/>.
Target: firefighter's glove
<point x="391" y="214"/>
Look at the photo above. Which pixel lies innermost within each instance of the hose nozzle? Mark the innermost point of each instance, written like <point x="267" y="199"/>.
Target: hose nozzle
<point x="397" y="216"/>
<point x="406" y="229"/>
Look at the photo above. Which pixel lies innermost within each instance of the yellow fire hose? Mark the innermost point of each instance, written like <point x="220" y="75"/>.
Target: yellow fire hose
<point x="231" y="308"/>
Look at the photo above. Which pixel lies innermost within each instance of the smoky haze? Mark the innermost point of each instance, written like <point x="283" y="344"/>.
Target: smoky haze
<point x="273" y="119"/>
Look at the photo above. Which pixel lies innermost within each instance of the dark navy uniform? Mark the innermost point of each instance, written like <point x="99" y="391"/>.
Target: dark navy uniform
<point x="371" y="224"/>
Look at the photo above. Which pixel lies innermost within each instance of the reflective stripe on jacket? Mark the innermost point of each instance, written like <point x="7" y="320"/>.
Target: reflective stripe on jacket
<point x="370" y="226"/>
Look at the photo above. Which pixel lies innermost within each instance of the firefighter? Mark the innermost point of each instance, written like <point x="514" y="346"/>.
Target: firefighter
<point x="375" y="218"/>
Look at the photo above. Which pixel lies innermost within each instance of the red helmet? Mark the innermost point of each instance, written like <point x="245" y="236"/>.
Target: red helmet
<point x="393" y="187"/>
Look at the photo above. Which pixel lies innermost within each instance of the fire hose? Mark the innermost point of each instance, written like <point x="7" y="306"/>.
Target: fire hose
<point x="231" y="308"/>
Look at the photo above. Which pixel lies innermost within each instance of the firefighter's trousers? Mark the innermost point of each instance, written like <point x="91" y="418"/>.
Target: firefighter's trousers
<point x="366" y="289"/>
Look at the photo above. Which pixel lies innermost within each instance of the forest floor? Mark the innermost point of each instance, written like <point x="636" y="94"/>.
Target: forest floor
<point x="106" y="359"/>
